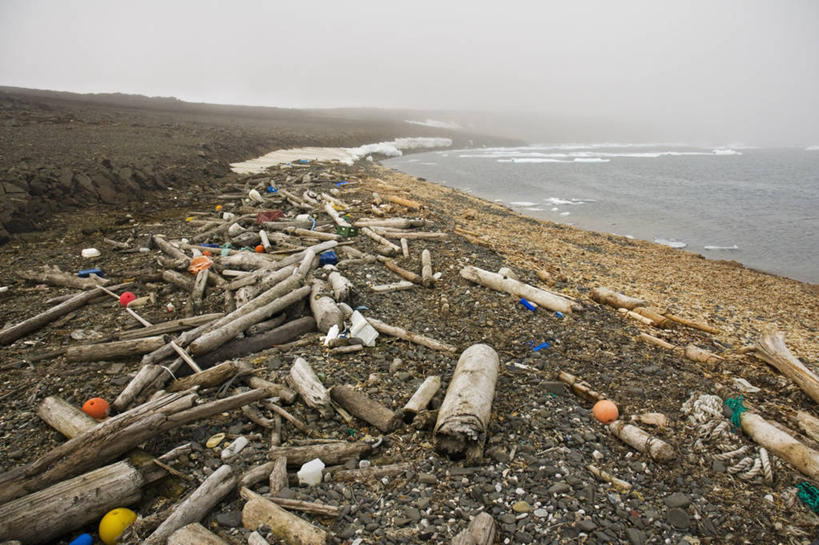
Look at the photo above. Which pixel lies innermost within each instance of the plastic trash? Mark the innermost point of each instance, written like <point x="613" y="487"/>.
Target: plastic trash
<point x="255" y="196"/>
<point x="332" y="333"/>
<point x="85" y="273"/>
<point x="328" y="258"/>
<point x="114" y="523"/>
<point x="126" y="298"/>
<point x="199" y="264"/>
<point x="90" y="253"/>
<point x="82" y="539"/>
<point x="559" y="314"/>
<point x="346" y="231"/>
<point x="235" y="229"/>
<point x="269" y="215"/>
<point x="310" y="472"/>
<point x="96" y="407"/>
<point x="227" y="216"/>
<point x="362" y="329"/>
<point x="527" y="304"/>
<point x="541" y="346"/>
<point x="271" y="189"/>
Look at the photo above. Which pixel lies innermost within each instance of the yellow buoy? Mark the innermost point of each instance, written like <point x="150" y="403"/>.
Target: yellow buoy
<point x="114" y="523"/>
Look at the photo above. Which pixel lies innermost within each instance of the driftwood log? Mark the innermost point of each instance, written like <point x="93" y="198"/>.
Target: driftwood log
<point x="324" y="308"/>
<point x="400" y="271"/>
<point x="219" y="484"/>
<point x="116" y="349"/>
<point x="421" y="398"/>
<point x="371" y="473"/>
<point x="329" y="453"/>
<point x="395" y="286"/>
<point x="211" y="377"/>
<point x="286" y="526"/>
<point x="307" y="384"/>
<point x="766" y="434"/>
<point x="341" y="286"/>
<point x="56" y="277"/>
<point x="277" y="476"/>
<point x="365" y="408"/>
<point x="426" y="269"/>
<point x="170" y="327"/>
<point x="416" y="338"/>
<point x="64" y="417"/>
<point x="771" y="349"/>
<point x="644" y="442"/>
<point x="286" y="395"/>
<point x="497" y="282"/>
<point x="481" y="531"/>
<point x="605" y="296"/>
<point x="266" y="325"/>
<point x="463" y="417"/>
<point x="195" y="534"/>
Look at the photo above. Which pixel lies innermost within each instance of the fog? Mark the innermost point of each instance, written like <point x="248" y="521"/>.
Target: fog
<point x="722" y="72"/>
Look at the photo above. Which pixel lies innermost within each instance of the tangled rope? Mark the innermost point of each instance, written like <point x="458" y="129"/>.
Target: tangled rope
<point x="714" y="433"/>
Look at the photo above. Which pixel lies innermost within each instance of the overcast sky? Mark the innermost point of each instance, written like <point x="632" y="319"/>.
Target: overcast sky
<point x="743" y="68"/>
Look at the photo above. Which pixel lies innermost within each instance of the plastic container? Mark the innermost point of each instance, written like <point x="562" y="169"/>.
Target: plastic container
<point x="255" y="196"/>
<point x="85" y="273"/>
<point x="310" y="473"/>
<point x="90" y="253"/>
<point x="362" y="329"/>
<point x="328" y="258"/>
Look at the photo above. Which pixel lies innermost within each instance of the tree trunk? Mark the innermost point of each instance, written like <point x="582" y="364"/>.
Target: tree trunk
<point x="324" y="309"/>
<point x="368" y="410"/>
<point x="220" y="483"/>
<point x="116" y="349"/>
<point x="543" y="298"/>
<point x="286" y="526"/>
<point x="771" y="349"/>
<point x="464" y="414"/>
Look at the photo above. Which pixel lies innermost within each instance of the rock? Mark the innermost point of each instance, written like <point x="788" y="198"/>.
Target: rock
<point x="677" y="499"/>
<point x="678" y="518"/>
<point x="555" y="387"/>
<point x="231" y="519"/>
<point x="521" y="507"/>
<point x="559" y="488"/>
<point x="635" y="536"/>
<point x="586" y="525"/>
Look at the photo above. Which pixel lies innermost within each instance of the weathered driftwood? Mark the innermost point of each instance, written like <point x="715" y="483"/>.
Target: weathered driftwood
<point x="286" y="395"/>
<point x="481" y="531"/>
<point x="277" y="477"/>
<point x="655" y="316"/>
<point x="219" y="484"/>
<point x="782" y="444"/>
<point x="608" y="477"/>
<point x="404" y="246"/>
<point x="416" y="338"/>
<point x="809" y="424"/>
<point x="371" y="473"/>
<point x="116" y="349"/>
<point x="195" y="534"/>
<point x="314" y="234"/>
<point x="329" y="453"/>
<point x="289" y="417"/>
<point x="543" y="298"/>
<point x="307" y="384"/>
<point x="644" y="442"/>
<point x="634" y="316"/>
<point x="267" y="325"/>
<point x="395" y="286"/>
<point x="396" y="223"/>
<point x="183" y="339"/>
<point x="426" y="269"/>
<point x="341" y="286"/>
<point x="418" y="235"/>
<point x="286" y="526"/>
<point x="169" y="249"/>
<point x="255" y="538"/>
<point x="414" y="205"/>
<point x="198" y="291"/>
<point x="605" y="296"/>
<point x="45" y="515"/>
<point x="211" y="377"/>
<point x="217" y="337"/>
<point x="463" y="417"/>
<point x="324" y="308"/>
<point x="579" y="387"/>
<point x="381" y="240"/>
<point x="170" y="327"/>
<point x="365" y="408"/>
<point x="695" y="353"/>
<point x="248" y="261"/>
<point x="692" y="324"/>
<point x="333" y="213"/>
<point x="256" y="343"/>
<point x="656" y="341"/>
<point x="256" y="474"/>
<point x="12" y="333"/>
<point x="64" y="417"/>
<point x="56" y="277"/>
<point x="421" y="398"/>
<point x="771" y="349"/>
<point x="184" y="281"/>
<point x="403" y="273"/>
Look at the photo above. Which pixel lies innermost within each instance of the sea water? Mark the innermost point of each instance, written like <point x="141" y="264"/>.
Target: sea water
<point x="756" y="206"/>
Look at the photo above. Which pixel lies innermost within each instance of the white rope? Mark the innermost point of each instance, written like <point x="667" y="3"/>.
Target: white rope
<point x="714" y="434"/>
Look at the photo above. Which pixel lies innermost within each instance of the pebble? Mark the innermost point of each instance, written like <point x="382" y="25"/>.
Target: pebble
<point x="230" y="519"/>
<point x="635" y="536"/>
<point x="678" y="518"/>
<point x="677" y="499"/>
<point x="586" y="525"/>
<point x="559" y="488"/>
<point x="521" y="507"/>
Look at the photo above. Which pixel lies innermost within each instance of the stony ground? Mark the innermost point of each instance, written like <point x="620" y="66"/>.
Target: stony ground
<point x="534" y="479"/>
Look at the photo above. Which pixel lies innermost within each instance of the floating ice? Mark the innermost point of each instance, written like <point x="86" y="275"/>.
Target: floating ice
<point x="671" y="243"/>
<point x="522" y="203"/>
<point x="734" y="247"/>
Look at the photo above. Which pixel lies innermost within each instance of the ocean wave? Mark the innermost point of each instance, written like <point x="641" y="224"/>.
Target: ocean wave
<point x="670" y="243"/>
<point x="395" y="147"/>
<point x="518" y="155"/>
<point x="534" y="209"/>
<point x="435" y="124"/>
<point x="734" y="247"/>
<point x="726" y="152"/>
<point x="531" y="160"/>
<point x="522" y="203"/>
<point x="558" y="200"/>
<point x="591" y="160"/>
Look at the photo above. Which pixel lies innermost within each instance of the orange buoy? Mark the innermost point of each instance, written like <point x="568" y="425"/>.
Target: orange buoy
<point x="96" y="407"/>
<point x="260" y="249"/>
<point x="605" y="411"/>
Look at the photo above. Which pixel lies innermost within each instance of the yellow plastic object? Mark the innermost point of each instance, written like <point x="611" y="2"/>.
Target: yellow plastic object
<point x="215" y="440"/>
<point x="114" y="523"/>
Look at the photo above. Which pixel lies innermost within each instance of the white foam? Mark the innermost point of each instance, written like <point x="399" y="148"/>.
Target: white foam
<point x="435" y="124"/>
<point x="555" y="209"/>
<point x="726" y="152"/>
<point x="734" y="247"/>
<point x="671" y="243"/>
<point x="531" y="160"/>
<point x="565" y="213"/>
<point x="534" y="209"/>
<point x="591" y="160"/>
<point x="812" y="148"/>
<point x="522" y="203"/>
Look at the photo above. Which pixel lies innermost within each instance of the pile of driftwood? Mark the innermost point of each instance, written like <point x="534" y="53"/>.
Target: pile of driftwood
<point x="268" y="298"/>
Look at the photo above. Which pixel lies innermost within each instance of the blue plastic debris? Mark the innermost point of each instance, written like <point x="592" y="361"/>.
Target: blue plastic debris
<point x="83" y="539"/>
<point x="527" y="304"/>
<point x="209" y="245"/>
<point x="271" y="189"/>
<point x="541" y="346"/>
<point x="85" y="273"/>
<point x="341" y="183"/>
<point x="559" y="314"/>
<point x="328" y="258"/>
<point x="302" y="161"/>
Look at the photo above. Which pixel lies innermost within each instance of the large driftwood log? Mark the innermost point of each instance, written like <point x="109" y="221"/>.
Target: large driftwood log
<point x="421" y="398"/>
<point x="219" y="484"/>
<point x="605" y="296"/>
<point x="170" y="249"/>
<point x="307" y="384"/>
<point x="365" y="408"/>
<point x="771" y="349"/>
<point x="644" y="442"/>
<point x="481" y="531"/>
<point x="692" y="324"/>
<point x="426" y="269"/>
<point x="285" y="394"/>
<point x="341" y="286"/>
<point x="256" y="343"/>
<point x="809" y="424"/>
<point x="286" y="526"/>
<point x="48" y="514"/>
<point x="216" y="338"/>
<point x="395" y="223"/>
<point x="211" y="377"/>
<point x="464" y="414"/>
<point x="416" y="338"/>
<point x="277" y="476"/>
<point x="544" y="298"/>
<point x="170" y="327"/>
<point x="267" y="325"/>
<point x="12" y="333"/>
<point x="324" y="309"/>
<point x="329" y="453"/>
<point x="184" y="281"/>
<point x="116" y="349"/>
<point x="64" y="417"/>
<point x="195" y="534"/>
<point x="766" y="434"/>
<point x="56" y="277"/>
